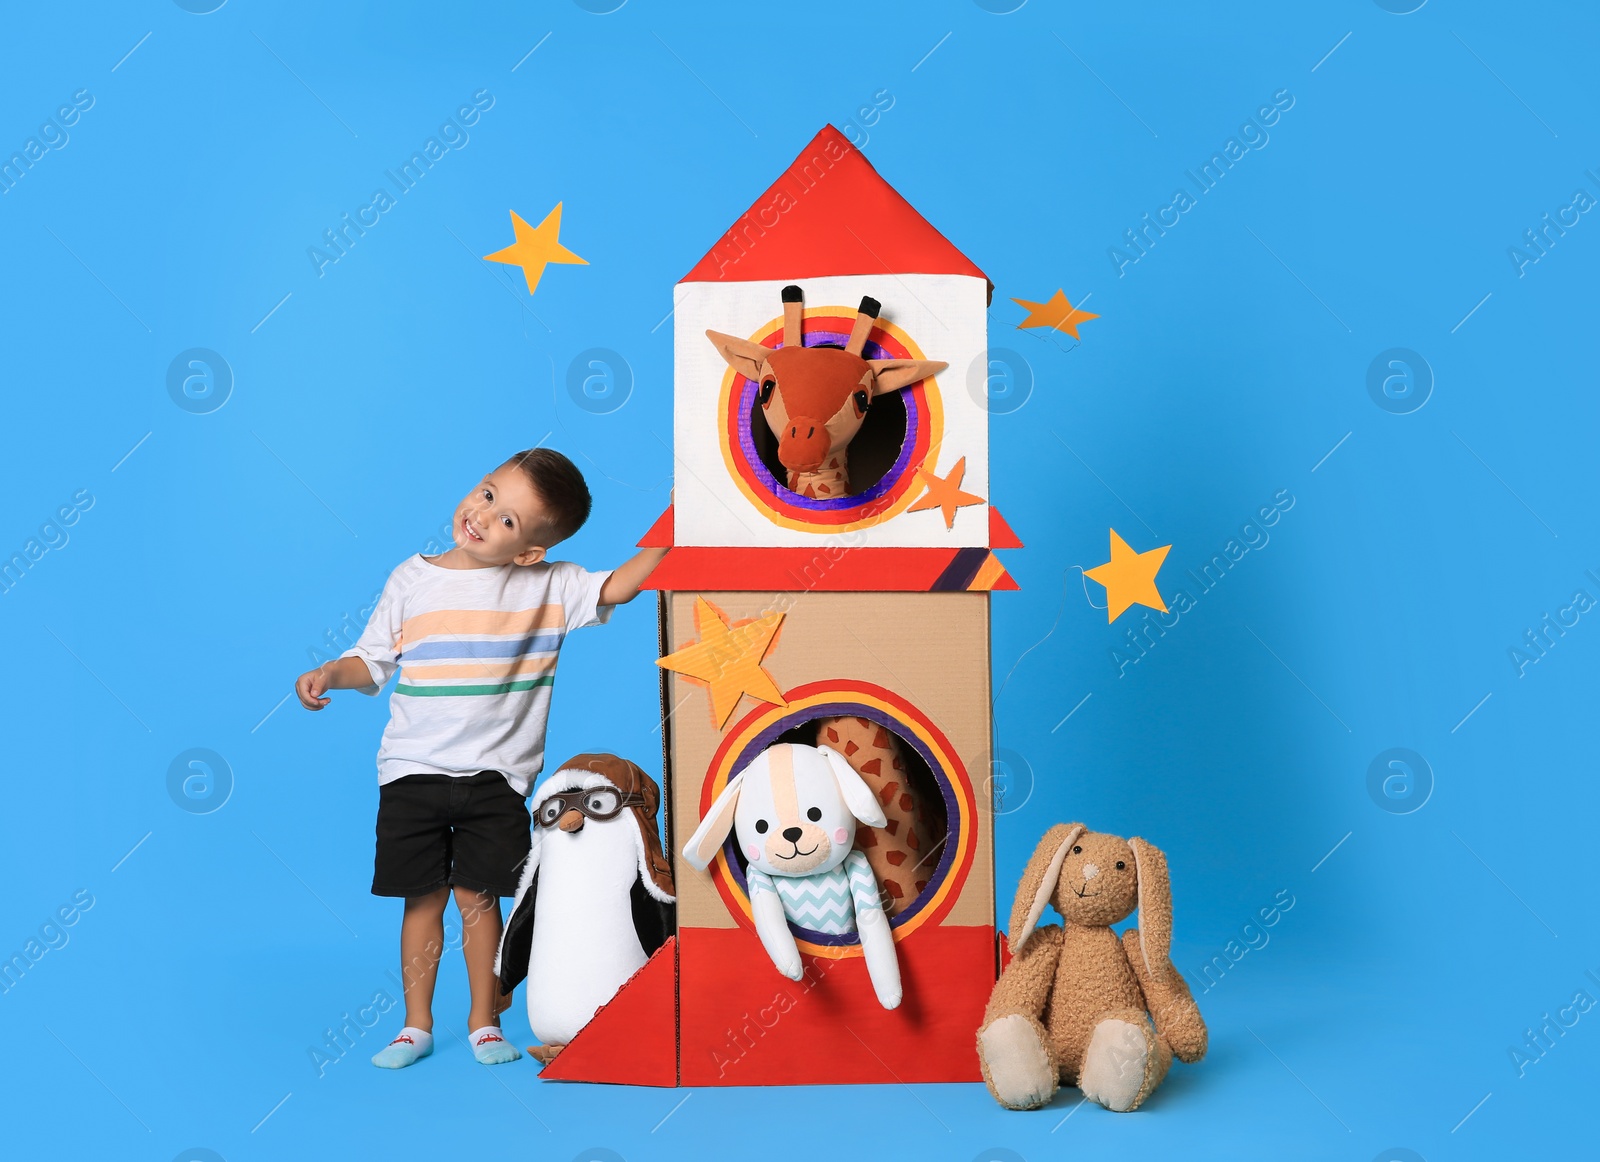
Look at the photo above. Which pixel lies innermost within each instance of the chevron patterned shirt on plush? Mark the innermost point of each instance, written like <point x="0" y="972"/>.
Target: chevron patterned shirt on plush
<point x="476" y="650"/>
<point x="823" y="902"/>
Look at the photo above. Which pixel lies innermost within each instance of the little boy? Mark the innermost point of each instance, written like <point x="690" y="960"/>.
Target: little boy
<point x="474" y="633"/>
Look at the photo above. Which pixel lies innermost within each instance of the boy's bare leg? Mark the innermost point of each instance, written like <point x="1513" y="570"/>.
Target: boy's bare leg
<point x="480" y="940"/>
<point x="481" y="927"/>
<point x="421" y="945"/>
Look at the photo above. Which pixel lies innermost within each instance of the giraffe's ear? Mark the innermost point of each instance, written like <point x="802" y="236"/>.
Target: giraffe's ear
<point x="743" y="355"/>
<point x="893" y="374"/>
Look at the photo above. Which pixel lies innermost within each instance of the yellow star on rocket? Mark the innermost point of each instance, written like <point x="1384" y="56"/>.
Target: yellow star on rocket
<point x="944" y="493"/>
<point x="1057" y="314"/>
<point x="535" y="247"/>
<point x="727" y="658"/>
<point x="1129" y="577"/>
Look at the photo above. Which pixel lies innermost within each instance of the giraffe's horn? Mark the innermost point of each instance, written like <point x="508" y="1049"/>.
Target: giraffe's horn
<point x="793" y="317"/>
<point x="866" y="315"/>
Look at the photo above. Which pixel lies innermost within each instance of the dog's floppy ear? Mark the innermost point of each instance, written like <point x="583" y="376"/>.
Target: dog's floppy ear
<point x="1039" y="881"/>
<point x="858" y="797"/>
<point x="1155" y="903"/>
<point x="708" y="838"/>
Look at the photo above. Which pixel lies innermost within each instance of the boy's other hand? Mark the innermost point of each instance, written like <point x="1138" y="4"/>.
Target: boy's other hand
<point x="311" y="687"/>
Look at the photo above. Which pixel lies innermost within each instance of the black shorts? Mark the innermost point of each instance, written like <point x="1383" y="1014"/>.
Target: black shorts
<point x="470" y="831"/>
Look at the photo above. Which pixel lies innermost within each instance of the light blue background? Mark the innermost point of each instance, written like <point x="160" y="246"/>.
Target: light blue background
<point x="1228" y="362"/>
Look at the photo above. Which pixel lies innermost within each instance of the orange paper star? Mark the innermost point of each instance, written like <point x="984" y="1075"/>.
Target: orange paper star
<point x="1129" y="577"/>
<point x="727" y="658"/>
<point x="1057" y="314"/>
<point x="945" y="493"/>
<point x="535" y="247"/>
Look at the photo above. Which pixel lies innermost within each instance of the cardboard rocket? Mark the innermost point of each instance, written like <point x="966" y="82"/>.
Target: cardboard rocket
<point x="779" y="609"/>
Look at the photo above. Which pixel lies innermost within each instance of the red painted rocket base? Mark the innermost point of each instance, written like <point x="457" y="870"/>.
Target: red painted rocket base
<point x="745" y="1024"/>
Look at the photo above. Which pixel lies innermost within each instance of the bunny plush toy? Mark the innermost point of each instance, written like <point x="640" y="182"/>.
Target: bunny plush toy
<point x="1078" y="1005"/>
<point x="793" y="811"/>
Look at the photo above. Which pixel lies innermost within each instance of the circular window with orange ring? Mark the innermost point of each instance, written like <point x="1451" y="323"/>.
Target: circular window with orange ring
<point x="885" y="497"/>
<point x="765" y="725"/>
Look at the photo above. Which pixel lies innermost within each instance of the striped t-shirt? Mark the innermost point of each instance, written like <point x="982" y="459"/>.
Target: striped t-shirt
<point x="476" y="650"/>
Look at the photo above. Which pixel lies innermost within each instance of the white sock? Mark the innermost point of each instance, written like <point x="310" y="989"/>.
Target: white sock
<point x="410" y="1046"/>
<point x="490" y="1046"/>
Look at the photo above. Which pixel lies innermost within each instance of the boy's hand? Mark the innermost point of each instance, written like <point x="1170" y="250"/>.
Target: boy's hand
<point x="311" y="687"/>
<point x="349" y="673"/>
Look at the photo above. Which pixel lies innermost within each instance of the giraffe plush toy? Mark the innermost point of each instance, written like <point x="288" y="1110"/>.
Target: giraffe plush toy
<point x="814" y="399"/>
<point x="904" y="851"/>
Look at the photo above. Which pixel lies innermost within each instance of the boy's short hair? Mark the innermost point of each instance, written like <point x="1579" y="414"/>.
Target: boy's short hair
<point x="561" y="489"/>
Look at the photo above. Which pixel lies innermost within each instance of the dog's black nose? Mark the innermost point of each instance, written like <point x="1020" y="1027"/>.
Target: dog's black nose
<point x="792" y="834"/>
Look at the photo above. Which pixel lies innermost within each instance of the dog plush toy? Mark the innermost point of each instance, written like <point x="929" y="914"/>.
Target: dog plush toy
<point x="595" y="899"/>
<point x="1075" y="1005"/>
<point x="794" y="811"/>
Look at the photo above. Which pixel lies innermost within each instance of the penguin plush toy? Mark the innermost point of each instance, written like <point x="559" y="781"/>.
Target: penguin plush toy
<point x="595" y="899"/>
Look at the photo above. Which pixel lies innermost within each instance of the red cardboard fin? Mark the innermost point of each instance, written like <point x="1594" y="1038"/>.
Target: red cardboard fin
<point x="632" y="1040"/>
<point x="1000" y="534"/>
<point x="661" y="533"/>
<point x="991" y="574"/>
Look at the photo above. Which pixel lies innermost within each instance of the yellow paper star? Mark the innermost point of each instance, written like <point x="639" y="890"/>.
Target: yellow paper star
<point x="945" y="493"/>
<point x="535" y="246"/>
<point x="727" y="658"/>
<point x="1057" y="314"/>
<point x="1129" y="577"/>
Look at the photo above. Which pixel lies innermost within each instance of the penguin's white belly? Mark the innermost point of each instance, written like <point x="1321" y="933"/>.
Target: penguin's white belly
<point x="581" y="956"/>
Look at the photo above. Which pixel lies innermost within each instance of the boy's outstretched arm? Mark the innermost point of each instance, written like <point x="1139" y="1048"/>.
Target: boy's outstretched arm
<point x="623" y="584"/>
<point x="339" y="674"/>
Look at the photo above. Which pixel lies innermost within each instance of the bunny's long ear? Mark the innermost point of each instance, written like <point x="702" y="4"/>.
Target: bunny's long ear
<point x="1155" y="903"/>
<point x="858" y="797"/>
<point x="708" y="838"/>
<point x="1039" y="881"/>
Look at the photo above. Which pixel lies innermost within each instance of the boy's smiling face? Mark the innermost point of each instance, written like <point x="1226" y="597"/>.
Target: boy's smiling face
<point x="501" y="521"/>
